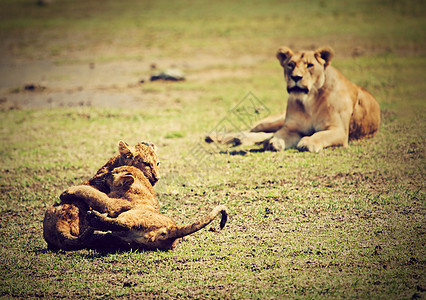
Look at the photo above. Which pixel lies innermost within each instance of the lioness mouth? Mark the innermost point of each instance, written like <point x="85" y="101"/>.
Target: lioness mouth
<point x="297" y="89"/>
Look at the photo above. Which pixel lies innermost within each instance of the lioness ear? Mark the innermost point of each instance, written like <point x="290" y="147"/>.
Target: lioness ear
<point x="325" y="54"/>
<point x="124" y="149"/>
<point x="283" y="54"/>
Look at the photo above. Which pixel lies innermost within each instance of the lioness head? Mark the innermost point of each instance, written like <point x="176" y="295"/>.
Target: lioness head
<point x="142" y="156"/>
<point x="304" y="71"/>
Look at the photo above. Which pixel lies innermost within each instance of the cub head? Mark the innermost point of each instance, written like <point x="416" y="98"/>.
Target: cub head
<point x="161" y="237"/>
<point x="122" y="178"/>
<point x="304" y="71"/>
<point x="142" y="156"/>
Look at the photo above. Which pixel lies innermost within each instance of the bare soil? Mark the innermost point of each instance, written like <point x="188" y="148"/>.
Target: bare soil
<point x="119" y="84"/>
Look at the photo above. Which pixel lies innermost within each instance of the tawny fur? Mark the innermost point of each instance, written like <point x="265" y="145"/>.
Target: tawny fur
<point x="65" y="226"/>
<point x="129" y="188"/>
<point x="145" y="229"/>
<point x="139" y="223"/>
<point x="142" y="156"/>
<point x="324" y="108"/>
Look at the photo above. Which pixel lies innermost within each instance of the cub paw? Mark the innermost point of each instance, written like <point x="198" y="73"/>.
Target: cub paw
<point x="274" y="144"/>
<point x="94" y="218"/>
<point x="67" y="196"/>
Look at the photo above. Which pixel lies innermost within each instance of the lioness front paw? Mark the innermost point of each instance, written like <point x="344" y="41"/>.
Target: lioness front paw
<point x="274" y="144"/>
<point x="305" y="144"/>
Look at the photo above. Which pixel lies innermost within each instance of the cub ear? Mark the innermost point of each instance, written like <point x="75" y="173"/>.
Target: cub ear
<point x="124" y="149"/>
<point x="150" y="144"/>
<point x="128" y="180"/>
<point x="283" y="54"/>
<point x="324" y="55"/>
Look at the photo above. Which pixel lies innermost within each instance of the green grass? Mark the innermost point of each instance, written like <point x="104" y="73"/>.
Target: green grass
<point x="344" y="223"/>
<point x="140" y="29"/>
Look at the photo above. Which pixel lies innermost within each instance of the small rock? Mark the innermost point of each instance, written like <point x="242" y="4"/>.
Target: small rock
<point x="171" y="74"/>
<point x="44" y="2"/>
<point x="357" y="51"/>
<point x="6" y="105"/>
<point x="32" y="87"/>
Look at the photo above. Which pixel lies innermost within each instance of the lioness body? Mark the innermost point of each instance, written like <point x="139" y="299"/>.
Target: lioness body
<point x="324" y="108"/>
<point x="63" y="225"/>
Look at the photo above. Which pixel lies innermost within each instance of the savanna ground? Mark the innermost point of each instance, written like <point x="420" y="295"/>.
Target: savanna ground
<point x="345" y="223"/>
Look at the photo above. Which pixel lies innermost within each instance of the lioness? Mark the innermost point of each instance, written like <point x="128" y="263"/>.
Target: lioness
<point x="65" y="225"/>
<point x="324" y="108"/>
<point x="142" y="226"/>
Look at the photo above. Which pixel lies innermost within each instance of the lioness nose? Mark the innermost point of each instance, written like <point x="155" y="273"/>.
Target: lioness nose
<point x="296" y="78"/>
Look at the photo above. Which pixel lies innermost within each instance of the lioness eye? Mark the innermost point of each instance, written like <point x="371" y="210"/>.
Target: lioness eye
<point x="310" y="65"/>
<point x="291" y="65"/>
<point x="158" y="164"/>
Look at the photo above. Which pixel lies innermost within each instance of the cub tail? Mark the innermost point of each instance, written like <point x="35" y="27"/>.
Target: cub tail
<point x="182" y="231"/>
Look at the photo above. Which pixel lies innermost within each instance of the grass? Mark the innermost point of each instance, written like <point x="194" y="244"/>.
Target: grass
<point x="100" y="29"/>
<point x="345" y="223"/>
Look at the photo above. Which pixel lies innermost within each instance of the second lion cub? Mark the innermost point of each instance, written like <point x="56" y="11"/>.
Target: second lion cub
<point x="139" y="223"/>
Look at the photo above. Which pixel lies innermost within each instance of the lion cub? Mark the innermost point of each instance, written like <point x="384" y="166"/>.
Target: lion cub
<point x="142" y="226"/>
<point x="65" y="225"/>
<point x="129" y="188"/>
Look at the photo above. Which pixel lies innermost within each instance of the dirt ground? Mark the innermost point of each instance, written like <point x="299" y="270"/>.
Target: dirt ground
<point x="44" y="83"/>
<point x="47" y="84"/>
